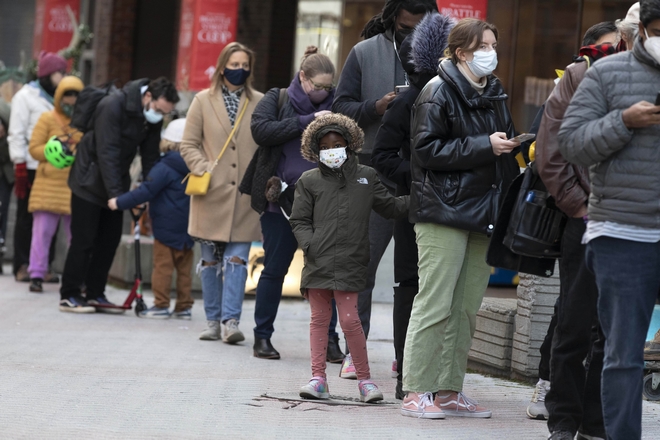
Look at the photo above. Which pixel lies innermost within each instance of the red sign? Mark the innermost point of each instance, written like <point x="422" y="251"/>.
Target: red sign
<point x="53" y="27"/>
<point x="464" y="8"/>
<point x="206" y="27"/>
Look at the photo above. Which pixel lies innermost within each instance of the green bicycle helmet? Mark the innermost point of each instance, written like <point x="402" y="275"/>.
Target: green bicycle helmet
<point x="58" y="154"/>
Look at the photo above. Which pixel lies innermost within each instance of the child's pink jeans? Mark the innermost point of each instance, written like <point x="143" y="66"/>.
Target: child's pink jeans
<point x="320" y="301"/>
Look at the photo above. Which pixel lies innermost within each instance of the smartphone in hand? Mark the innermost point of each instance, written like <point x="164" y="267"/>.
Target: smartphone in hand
<point x="399" y="89"/>
<point x="523" y="137"/>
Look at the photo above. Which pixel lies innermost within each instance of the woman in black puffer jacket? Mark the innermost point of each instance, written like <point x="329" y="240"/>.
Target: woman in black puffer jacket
<point x="462" y="164"/>
<point x="277" y="126"/>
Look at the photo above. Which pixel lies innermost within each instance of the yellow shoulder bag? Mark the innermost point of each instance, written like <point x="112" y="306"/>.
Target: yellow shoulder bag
<point x="199" y="185"/>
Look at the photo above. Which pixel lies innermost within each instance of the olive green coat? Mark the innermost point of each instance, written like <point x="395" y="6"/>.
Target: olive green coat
<point x="330" y="220"/>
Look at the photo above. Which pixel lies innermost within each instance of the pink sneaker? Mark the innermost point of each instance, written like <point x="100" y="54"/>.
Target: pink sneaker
<point x="420" y="405"/>
<point x="317" y="388"/>
<point x="369" y="392"/>
<point x="394" y="373"/>
<point x="347" y="368"/>
<point x="460" y="405"/>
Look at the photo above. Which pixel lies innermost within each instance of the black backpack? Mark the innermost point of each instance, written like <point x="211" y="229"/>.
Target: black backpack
<point x="88" y="99"/>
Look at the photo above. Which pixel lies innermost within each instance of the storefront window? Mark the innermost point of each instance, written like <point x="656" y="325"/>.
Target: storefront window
<point x="318" y="25"/>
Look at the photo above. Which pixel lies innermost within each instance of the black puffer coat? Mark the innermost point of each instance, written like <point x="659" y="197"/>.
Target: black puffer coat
<point x="104" y="155"/>
<point x="457" y="180"/>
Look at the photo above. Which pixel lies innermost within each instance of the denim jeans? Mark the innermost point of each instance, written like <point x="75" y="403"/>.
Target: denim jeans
<point x="280" y="245"/>
<point x="574" y="399"/>
<point x="223" y="296"/>
<point x="628" y="281"/>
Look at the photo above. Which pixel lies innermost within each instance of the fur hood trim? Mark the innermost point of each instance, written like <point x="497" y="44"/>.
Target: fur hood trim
<point x="347" y="127"/>
<point x="430" y="41"/>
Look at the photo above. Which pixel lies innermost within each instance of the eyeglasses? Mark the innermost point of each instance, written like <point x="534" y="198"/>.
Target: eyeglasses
<point x="325" y="87"/>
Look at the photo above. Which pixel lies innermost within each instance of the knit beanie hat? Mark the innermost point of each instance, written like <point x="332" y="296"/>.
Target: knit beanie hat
<point x="174" y="130"/>
<point x="50" y="63"/>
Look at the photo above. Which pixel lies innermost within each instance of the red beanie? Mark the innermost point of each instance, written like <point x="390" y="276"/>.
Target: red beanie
<point x="49" y="63"/>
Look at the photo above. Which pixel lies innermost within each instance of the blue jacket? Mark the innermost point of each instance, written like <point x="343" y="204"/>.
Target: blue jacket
<point x="169" y="205"/>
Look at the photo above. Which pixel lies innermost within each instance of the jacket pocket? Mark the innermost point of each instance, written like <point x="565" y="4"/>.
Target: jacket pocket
<point x="92" y="181"/>
<point x="313" y="244"/>
<point x="445" y="186"/>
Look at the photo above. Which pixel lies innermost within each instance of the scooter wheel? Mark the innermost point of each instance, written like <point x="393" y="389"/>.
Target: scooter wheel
<point x="140" y="306"/>
<point x="648" y="390"/>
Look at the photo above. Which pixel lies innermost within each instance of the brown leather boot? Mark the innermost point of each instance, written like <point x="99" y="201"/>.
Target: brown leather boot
<point x="22" y="275"/>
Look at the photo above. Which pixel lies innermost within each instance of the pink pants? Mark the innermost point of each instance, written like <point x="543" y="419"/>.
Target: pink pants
<point x="44" y="227"/>
<point x="321" y="303"/>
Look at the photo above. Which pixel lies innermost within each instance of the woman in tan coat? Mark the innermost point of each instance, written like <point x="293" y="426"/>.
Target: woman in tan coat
<point x="222" y="219"/>
<point x="50" y="198"/>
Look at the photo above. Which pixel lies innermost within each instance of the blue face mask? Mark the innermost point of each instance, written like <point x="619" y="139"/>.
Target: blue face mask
<point x="236" y="77"/>
<point x="151" y="115"/>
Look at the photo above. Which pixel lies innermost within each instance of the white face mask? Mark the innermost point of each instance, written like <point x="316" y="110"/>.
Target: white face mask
<point x="652" y="46"/>
<point x="483" y="63"/>
<point x="333" y="158"/>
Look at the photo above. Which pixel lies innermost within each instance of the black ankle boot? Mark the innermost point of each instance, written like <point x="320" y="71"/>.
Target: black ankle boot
<point x="334" y="354"/>
<point x="263" y="349"/>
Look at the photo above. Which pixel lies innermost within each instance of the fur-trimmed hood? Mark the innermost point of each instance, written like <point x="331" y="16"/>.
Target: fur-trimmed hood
<point x="430" y="41"/>
<point x="343" y="125"/>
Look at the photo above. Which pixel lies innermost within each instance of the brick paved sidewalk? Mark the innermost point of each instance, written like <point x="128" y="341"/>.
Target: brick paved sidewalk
<point x="65" y="376"/>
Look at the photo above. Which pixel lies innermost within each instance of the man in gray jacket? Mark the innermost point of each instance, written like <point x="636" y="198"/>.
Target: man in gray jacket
<point x="366" y="87"/>
<point x="612" y="127"/>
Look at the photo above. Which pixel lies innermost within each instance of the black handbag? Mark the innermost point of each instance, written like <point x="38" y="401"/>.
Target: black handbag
<point x="500" y="255"/>
<point x="536" y="224"/>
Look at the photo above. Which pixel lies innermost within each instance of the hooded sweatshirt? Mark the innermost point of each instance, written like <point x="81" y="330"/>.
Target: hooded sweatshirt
<point x="50" y="191"/>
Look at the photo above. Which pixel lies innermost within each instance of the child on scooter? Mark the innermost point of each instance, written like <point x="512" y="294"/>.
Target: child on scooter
<point x="169" y="208"/>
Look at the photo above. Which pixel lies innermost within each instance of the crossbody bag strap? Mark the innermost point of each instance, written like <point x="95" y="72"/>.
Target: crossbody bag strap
<point x="231" y="134"/>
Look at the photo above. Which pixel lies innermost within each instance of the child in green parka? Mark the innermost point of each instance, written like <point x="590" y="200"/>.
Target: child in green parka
<point x="330" y="219"/>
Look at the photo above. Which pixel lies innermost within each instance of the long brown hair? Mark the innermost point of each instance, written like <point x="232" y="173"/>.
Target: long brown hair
<point x="218" y="79"/>
<point x="467" y="35"/>
<point x="314" y="63"/>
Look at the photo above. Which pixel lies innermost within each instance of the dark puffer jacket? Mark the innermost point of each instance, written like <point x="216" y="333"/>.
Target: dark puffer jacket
<point x="330" y="217"/>
<point x="457" y="180"/>
<point x="169" y="205"/>
<point x="104" y="155"/>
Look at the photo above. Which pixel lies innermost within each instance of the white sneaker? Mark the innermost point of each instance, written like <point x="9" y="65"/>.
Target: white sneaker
<point x="212" y="333"/>
<point x="536" y="409"/>
<point x="231" y="333"/>
<point x="394" y="374"/>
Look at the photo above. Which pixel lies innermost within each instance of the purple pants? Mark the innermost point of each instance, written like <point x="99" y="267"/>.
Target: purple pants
<point x="44" y="227"/>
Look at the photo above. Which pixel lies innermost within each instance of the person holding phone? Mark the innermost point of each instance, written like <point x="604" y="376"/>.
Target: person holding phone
<point x="462" y="164"/>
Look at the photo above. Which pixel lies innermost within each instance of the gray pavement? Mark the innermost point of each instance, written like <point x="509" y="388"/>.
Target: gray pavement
<point x="65" y="376"/>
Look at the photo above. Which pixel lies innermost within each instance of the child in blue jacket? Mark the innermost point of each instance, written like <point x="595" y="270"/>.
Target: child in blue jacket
<point x="169" y="207"/>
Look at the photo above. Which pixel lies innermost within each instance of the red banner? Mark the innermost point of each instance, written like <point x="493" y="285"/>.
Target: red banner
<point x="206" y="27"/>
<point x="464" y="8"/>
<point x="53" y="27"/>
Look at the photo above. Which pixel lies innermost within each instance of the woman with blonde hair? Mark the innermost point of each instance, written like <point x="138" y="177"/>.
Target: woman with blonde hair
<point x="222" y="220"/>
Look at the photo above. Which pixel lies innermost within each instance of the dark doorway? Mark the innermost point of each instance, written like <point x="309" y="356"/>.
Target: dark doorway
<point x="156" y="37"/>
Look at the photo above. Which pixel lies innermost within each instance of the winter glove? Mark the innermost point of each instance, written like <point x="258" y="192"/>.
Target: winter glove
<point x="273" y="189"/>
<point x="21" y="182"/>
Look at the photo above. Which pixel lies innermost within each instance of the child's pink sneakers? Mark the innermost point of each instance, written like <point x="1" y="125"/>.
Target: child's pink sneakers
<point x="347" y="368"/>
<point x="317" y="388"/>
<point x="369" y="392"/>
